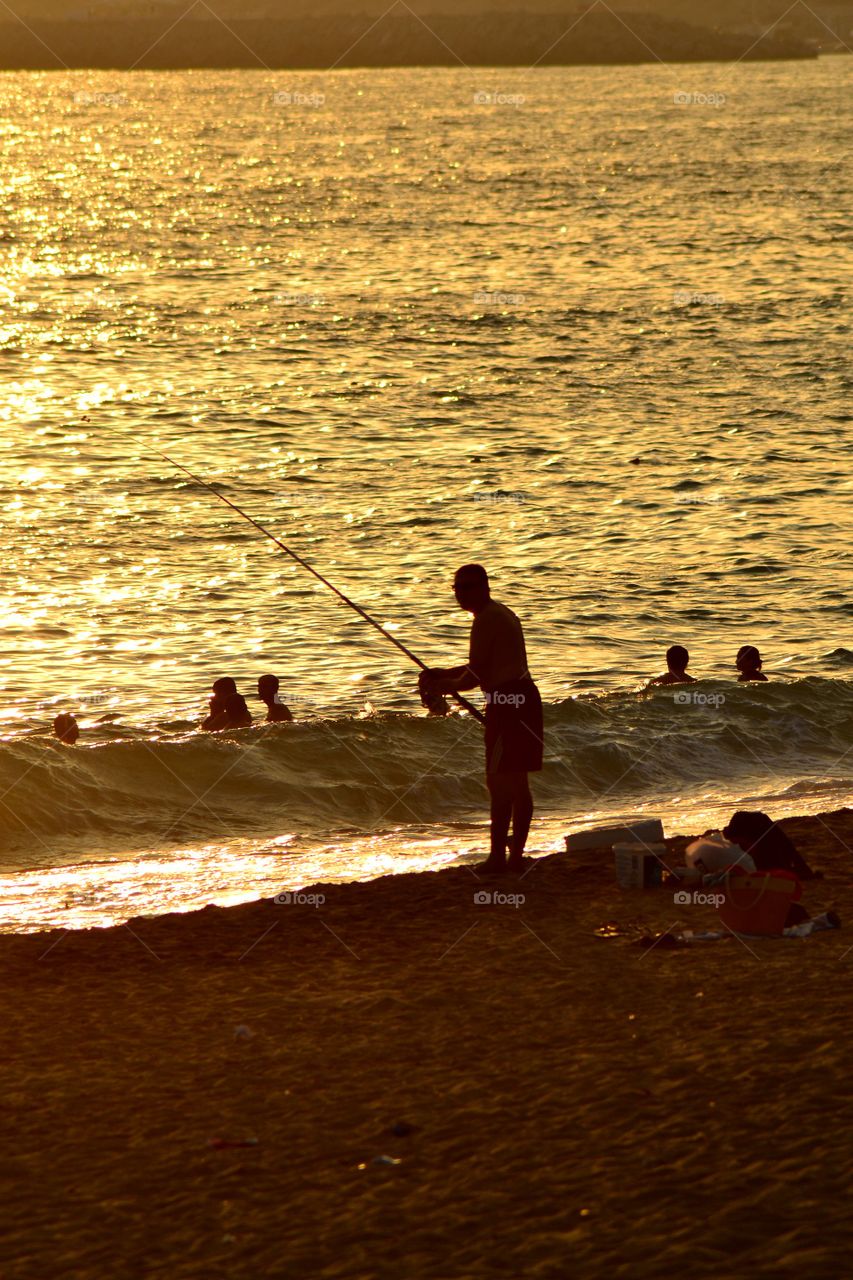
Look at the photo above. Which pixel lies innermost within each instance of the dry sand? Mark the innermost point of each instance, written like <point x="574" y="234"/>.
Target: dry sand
<point x="579" y="1106"/>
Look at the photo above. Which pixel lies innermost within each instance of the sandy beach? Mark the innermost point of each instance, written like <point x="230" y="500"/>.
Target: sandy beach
<point x="549" y="1101"/>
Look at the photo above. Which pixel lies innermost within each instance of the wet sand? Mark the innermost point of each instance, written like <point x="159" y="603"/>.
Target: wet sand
<point x="567" y="1104"/>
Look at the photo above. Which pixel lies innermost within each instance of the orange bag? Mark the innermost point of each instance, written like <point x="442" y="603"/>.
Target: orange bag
<point x="758" y="901"/>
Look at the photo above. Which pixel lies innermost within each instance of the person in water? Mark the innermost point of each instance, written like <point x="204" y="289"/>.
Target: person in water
<point x="223" y="688"/>
<point x="277" y="712"/>
<point x="677" y="659"/>
<point x="234" y="715"/>
<point x="66" y="729"/>
<point x="497" y="664"/>
<point x="228" y="708"/>
<point x="748" y="663"/>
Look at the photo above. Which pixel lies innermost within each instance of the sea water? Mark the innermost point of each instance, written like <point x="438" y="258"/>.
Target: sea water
<point x="588" y="326"/>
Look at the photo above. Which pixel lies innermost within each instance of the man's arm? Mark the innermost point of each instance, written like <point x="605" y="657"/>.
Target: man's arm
<point x="469" y="675"/>
<point x="448" y="680"/>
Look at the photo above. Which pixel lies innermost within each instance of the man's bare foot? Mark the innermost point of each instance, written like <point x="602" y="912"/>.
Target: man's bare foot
<point x="492" y="866"/>
<point x="516" y="864"/>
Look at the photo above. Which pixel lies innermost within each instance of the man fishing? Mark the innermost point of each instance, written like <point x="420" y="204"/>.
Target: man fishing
<point x="497" y="664"/>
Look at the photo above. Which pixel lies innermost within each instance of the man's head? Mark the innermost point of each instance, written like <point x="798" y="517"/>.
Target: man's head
<point x="267" y="688"/>
<point x="224" y="687"/>
<point x="748" y="658"/>
<point x="677" y="659"/>
<point x="471" y="587"/>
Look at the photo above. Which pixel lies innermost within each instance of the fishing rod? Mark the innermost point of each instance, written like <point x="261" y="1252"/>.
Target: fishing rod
<point x="463" y="702"/>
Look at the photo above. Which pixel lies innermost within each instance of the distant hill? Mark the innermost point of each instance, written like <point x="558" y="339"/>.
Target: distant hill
<point x="711" y="13"/>
<point x="513" y="37"/>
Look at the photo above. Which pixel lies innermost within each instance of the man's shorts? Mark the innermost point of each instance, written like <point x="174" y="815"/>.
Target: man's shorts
<point x="514" y="730"/>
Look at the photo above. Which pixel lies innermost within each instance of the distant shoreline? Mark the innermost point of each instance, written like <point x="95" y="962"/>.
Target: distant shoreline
<point x="598" y="38"/>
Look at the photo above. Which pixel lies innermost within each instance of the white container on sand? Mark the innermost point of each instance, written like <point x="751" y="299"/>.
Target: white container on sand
<point x="623" y="831"/>
<point x="640" y="866"/>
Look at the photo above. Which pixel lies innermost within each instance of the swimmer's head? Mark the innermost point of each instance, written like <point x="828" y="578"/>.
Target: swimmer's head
<point x="471" y="587"/>
<point x="224" y="687"/>
<point x="748" y="658"/>
<point x="66" y="729"/>
<point x="267" y="688"/>
<point x="677" y="658"/>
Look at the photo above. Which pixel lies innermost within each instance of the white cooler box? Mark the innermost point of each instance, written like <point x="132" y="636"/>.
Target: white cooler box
<point x="623" y="831"/>
<point x="640" y="866"/>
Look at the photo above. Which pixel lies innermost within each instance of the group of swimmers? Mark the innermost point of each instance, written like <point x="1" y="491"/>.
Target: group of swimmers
<point x="748" y="663"/>
<point x="228" y="709"/>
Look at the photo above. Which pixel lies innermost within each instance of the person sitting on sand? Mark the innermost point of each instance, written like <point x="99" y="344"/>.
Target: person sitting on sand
<point x="66" y="729"/>
<point x="223" y="688"/>
<point x="277" y="712"/>
<point x="497" y="664"/>
<point x="677" y="659"/>
<point x="766" y="843"/>
<point x="748" y="663"/>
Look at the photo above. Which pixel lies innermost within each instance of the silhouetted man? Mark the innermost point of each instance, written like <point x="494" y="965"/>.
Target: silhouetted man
<point x="497" y="664"/>
<point x="268" y="694"/>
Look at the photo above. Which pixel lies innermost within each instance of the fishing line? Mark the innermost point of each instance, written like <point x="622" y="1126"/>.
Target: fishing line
<point x="463" y="702"/>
